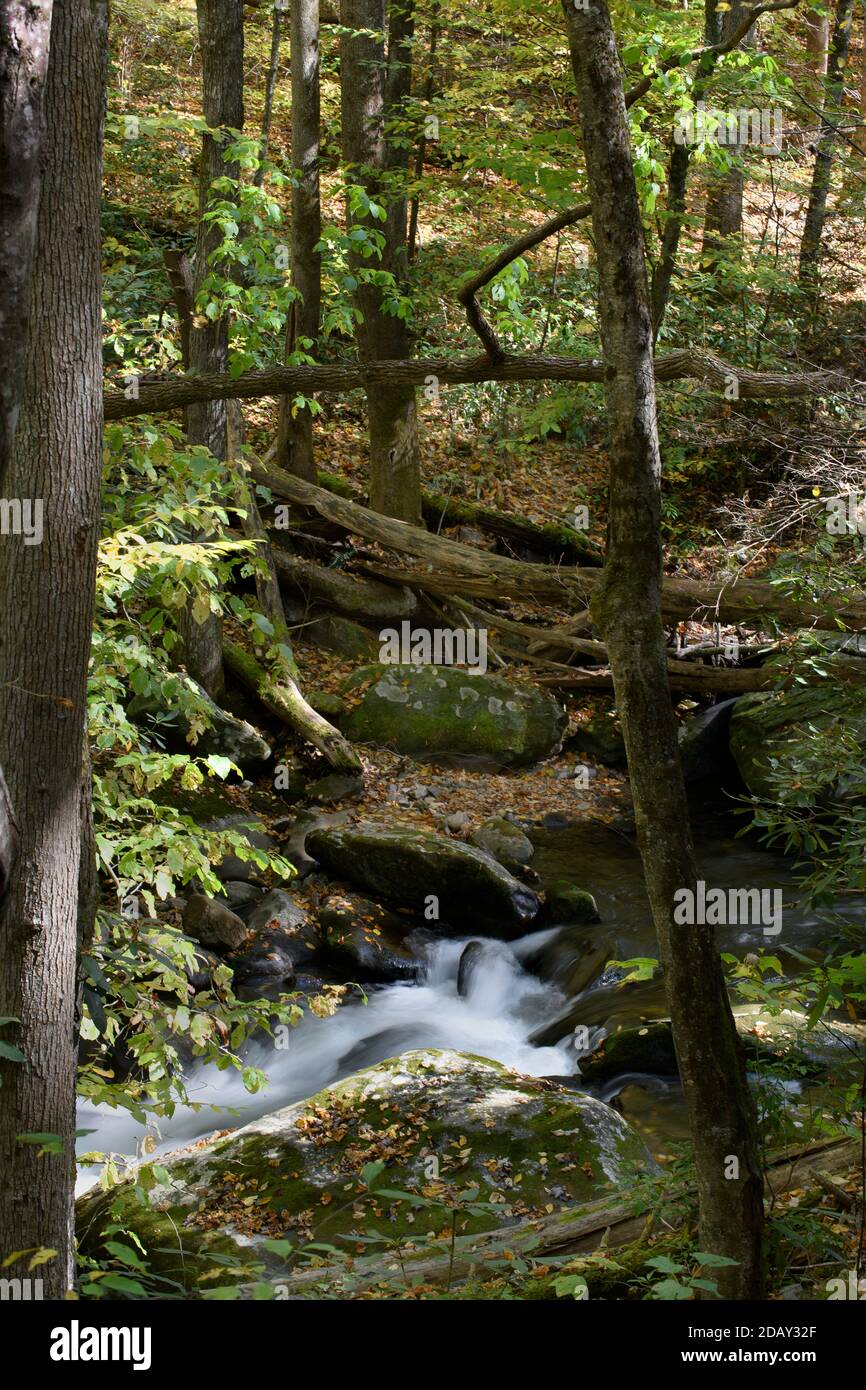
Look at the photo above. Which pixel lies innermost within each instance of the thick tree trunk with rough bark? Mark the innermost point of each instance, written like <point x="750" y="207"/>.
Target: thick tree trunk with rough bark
<point x="720" y="1108"/>
<point x="395" y="485"/>
<point x="295" y="437"/>
<point x="221" y="35"/>
<point x="816" y="212"/>
<point x="46" y="613"/>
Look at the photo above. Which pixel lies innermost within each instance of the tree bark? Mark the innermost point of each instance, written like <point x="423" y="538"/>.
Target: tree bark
<point x="221" y="35"/>
<point x="340" y="377"/>
<point x="25" y="31"/>
<point x="270" y="88"/>
<point x="421" y="152"/>
<point x="723" y="219"/>
<point x="816" y="213"/>
<point x="46" y="613"/>
<point x="720" y="1107"/>
<point x="395" y="483"/>
<point x="295" y="431"/>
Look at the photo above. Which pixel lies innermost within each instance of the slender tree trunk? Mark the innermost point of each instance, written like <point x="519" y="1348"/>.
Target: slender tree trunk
<point x="860" y="138"/>
<point x="721" y="1113"/>
<point x="395" y="483"/>
<point x="270" y="87"/>
<point x="295" y="436"/>
<point x="724" y="213"/>
<point x="817" y="41"/>
<point x="221" y="35"/>
<point x="46" y="613"/>
<point x="421" y="152"/>
<point x="816" y="213"/>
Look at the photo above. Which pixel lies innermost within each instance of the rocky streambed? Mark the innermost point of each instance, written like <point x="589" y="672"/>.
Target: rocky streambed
<point x="487" y="1040"/>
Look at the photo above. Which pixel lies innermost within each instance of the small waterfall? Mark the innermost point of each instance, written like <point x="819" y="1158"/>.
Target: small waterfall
<point x="501" y="1005"/>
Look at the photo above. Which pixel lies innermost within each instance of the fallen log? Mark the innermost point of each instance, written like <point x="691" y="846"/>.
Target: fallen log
<point x="691" y="678"/>
<point x="561" y="543"/>
<point x="174" y="391"/>
<point x="459" y="569"/>
<point x="283" y="698"/>
<point x="342" y="591"/>
<point x="607" y="1224"/>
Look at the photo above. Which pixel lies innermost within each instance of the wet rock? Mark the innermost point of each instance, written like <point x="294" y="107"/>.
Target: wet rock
<point x="363" y="941"/>
<point x="435" y="711"/>
<point x="241" y="897"/>
<point x="601" y="739"/>
<point x="284" y="940"/>
<point x="225" y="735"/>
<point x="554" y="820"/>
<point x="212" y="924"/>
<point x="504" y="841"/>
<point x="470" y="962"/>
<point x="703" y="742"/>
<point x="337" y="786"/>
<point x="421" y="870"/>
<point x="532" y="1147"/>
<point x="568" y="903"/>
<point x="569" y="959"/>
<point x="255" y="832"/>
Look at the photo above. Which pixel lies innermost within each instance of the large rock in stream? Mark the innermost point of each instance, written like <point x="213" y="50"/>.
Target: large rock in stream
<point x="440" y="1122"/>
<point x="441" y="711"/>
<point x="428" y="873"/>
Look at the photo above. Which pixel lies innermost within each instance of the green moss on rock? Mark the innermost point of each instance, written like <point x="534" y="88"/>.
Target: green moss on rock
<point x="443" y="1123"/>
<point x="434" y="711"/>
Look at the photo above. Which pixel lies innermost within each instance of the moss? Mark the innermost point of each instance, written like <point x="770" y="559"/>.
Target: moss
<point x="441" y="1123"/>
<point x="431" y="711"/>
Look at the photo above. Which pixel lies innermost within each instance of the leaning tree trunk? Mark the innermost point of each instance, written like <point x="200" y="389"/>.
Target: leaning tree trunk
<point x="46" y="613"/>
<point x="221" y="35"/>
<point x="816" y="213"/>
<point x="395" y="483"/>
<point x="721" y="1113"/>
<point x="295" y="436"/>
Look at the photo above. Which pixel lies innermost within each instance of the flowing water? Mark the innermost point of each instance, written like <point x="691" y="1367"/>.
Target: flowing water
<point x="502" y="1005"/>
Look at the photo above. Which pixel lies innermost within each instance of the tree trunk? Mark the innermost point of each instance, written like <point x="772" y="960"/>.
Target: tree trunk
<point x="24" y="43"/>
<point x="270" y="88"/>
<point x="720" y="1108"/>
<point x="395" y="484"/>
<point x="724" y="213"/>
<point x="221" y="35"/>
<point x="46" y="613"/>
<point x="295" y="436"/>
<point x="421" y="152"/>
<point x="816" y="213"/>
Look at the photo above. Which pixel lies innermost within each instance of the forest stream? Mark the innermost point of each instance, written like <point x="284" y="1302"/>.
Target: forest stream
<point x="502" y="1004"/>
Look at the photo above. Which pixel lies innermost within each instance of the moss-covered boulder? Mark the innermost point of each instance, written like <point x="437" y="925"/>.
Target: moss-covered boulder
<point x="442" y="1125"/>
<point x="504" y="841"/>
<point x="770" y="733"/>
<point x="444" y="880"/>
<point x="439" y="711"/>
